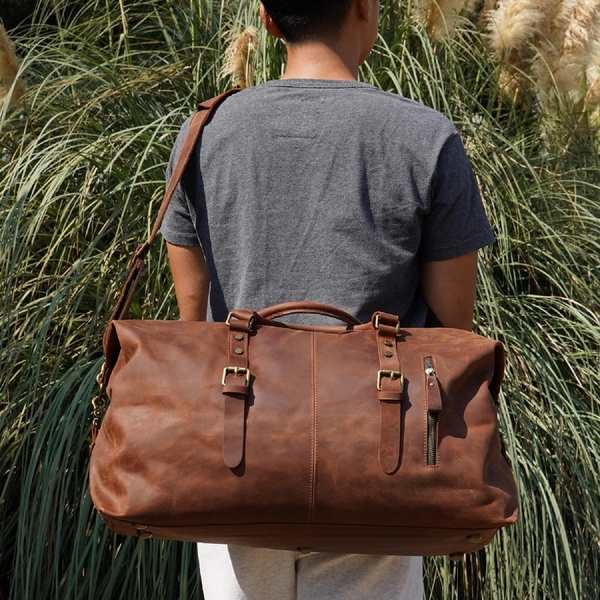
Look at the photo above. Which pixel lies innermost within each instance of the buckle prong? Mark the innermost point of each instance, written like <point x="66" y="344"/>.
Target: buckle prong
<point x="236" y="371"/>
<point x="392" y="375"/>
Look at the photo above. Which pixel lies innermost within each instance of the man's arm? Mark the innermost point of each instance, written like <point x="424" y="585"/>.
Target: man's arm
<point x="449" y="289"/>
<point x="191" y="280"/>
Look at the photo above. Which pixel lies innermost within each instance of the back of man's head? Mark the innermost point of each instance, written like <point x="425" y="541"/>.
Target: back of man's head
<point x="307" y="20"/>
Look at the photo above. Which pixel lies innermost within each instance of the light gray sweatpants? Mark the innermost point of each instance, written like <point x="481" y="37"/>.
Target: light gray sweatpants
<point x="242" y="573"/>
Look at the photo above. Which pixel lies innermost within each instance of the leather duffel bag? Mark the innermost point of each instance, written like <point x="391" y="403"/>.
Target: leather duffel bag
<point x="357" y="438"/>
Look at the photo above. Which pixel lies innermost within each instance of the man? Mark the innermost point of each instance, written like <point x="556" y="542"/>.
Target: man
<point x="318" y="187"/>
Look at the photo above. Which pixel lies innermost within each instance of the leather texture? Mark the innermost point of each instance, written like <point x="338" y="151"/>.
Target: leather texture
<point x="358" y="438"/>
<point x="299" y="448"/>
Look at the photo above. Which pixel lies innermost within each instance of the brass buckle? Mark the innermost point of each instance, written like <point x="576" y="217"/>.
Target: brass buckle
<point x="237" y="371"/>
<point x="392" y="375"/>
<point x="376" y="324"/>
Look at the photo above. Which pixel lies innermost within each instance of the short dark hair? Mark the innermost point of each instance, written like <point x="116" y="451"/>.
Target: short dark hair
<point x="307" y="20"/>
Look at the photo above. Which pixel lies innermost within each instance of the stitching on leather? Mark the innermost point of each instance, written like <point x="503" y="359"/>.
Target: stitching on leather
<point x="316" y="426"/>
<point x="313" y="433"/>
<point x="437" y="429"/>
<point x="424" y="401"/>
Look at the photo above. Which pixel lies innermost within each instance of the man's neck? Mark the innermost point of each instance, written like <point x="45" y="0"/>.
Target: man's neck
<point x="317" y="60"/>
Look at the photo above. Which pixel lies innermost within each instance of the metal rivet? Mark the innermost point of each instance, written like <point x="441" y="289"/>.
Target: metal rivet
<point x="474" y="539"/>
<point x="305" y="550"/>
<point x="239" y="351"/>
<point x="388" y="343"/>
<point x="388" y="354"/>
<point x="239" y="337"/>
<point x="431" y="384"/>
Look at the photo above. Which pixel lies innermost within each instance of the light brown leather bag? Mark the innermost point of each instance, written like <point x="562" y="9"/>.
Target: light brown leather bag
<point x="360" y="438"/>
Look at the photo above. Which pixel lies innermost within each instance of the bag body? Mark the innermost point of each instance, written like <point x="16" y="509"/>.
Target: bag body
<point x="314" y="454"/>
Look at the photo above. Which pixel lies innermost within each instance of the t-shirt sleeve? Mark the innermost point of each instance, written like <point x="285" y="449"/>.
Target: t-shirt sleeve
<point x="178" y="226"/>
<point x="456" y="223"/>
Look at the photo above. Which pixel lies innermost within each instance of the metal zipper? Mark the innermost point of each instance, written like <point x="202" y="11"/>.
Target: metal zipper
<point x="434" y="406"/>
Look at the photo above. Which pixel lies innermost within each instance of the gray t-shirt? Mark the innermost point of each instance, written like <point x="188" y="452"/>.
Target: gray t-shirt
<point x="328" y="191"/>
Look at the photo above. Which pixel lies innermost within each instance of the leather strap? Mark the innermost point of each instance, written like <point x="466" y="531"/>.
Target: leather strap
<point x="390" y="391"/>
<point x="434" y="396"/>
<point x="235" y="388"/>
<point x="203" y="113"/>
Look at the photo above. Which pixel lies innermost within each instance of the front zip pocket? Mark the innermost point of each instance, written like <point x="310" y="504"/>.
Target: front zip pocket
<point x="434" y="407"/>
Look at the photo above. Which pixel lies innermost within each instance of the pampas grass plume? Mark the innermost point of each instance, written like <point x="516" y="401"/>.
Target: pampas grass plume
<point x="512" y="27"/>
<point x="569" y="57"/>
<point x="238" y="57"/>
<point x="440" y="16"/>
<point x="579" y="56"/>
<point x="583" y="26"/>
<point x="513" y="24"/>
<point x="10" y="86"/>
<point x="556" y="41"/>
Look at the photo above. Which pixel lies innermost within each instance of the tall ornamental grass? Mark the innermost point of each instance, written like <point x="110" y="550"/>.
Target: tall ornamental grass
<point x="82" y="159"/>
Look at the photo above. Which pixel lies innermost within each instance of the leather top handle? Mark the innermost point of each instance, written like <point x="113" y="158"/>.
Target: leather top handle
<point x="316" y="308"/>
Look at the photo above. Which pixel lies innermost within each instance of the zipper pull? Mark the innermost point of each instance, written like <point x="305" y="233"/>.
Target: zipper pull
<point x="432" y="384"/>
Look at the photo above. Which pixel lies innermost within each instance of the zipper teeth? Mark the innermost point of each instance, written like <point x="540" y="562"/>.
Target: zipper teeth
<point x="432" y="418"/>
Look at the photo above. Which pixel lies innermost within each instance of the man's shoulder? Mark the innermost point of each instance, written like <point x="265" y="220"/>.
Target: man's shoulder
<point x="349" y="100"/>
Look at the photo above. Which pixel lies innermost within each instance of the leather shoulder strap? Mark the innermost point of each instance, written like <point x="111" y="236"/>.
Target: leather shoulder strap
<point x="203" y="113"/>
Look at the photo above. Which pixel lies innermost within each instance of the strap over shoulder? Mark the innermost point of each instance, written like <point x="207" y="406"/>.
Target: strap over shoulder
<point x="203" y="114"/>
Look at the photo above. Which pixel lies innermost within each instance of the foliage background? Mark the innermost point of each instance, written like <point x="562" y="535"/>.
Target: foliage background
<point x="81" y="169"/>
<point x="14" y="12"/>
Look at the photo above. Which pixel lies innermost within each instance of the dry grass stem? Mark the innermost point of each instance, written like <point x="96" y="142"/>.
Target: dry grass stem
<point x="238" y="57"/>
<point x="10" y="86"/>
<point x="592" y="98"/>
<point x="591" y="104"/>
